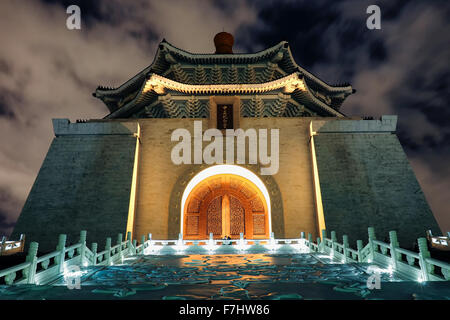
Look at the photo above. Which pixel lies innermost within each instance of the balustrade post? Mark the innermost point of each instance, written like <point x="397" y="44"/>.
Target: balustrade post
<point x="371" y="232"/>
<point x="423" y="255"/>
<point x="345" y="244"/>
<point x="302" y="235"/>
<point x="393" y="247"/>
<point x="94" y="251"/>
<point x="83" y="235"/>
<point x="119" y="242"/>
<point x="62" y="251"/>
<point x="32" y="259"/>
<point x="3" y="245"/>
<point x="149" y="239"/>
<point x="322" y="244"/>
<point x="22" y="242"/>
<point x="108" y="251"/>
<point x="130" y="249"/>
<point x="143" y="243"/>
<point x="134" y="247"/>
<point x="309" y="241"/>
<point x="359" y="247"/>
<point x="333" y="241"/>
<point x="318" y="243"/>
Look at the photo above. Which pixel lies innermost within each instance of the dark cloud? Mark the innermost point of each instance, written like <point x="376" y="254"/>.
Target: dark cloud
<point x="9" y="209"/>
<point x="5" y="67"/>
<point x="377" y="51"/>
<point x="401" y="69"/>
<point x="48" y="71"/>
<point x="300" y="25"/>
<point x="4" y="109"/>
<point x="5" y="227"/>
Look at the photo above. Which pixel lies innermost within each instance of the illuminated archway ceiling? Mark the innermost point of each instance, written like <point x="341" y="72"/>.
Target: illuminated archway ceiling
<point x="239" y="184"/>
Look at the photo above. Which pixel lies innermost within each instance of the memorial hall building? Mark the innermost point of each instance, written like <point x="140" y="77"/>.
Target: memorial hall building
<point x="223" y="144"/>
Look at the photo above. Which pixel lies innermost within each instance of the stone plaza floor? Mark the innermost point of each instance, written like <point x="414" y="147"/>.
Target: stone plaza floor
<point x="259" y="276"/>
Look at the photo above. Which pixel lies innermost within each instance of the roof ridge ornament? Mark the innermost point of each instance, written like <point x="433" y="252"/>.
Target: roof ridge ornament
<point x="224" y="43"/>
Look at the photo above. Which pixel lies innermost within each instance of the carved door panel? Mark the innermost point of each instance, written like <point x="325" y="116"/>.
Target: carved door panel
<point x="225" y="216"/>
<point x="237" y="221"/>
<point x="214" y="217"/>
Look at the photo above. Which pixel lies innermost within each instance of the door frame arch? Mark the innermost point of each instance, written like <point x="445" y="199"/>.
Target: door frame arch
<point x="226" y="169"/>
<point x="245" y="191"/>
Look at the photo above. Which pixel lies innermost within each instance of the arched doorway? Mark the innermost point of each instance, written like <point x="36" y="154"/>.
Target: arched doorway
<point x="225" y="204"/>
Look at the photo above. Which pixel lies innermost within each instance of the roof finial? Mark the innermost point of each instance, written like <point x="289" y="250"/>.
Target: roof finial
<point x="224" y="42"/>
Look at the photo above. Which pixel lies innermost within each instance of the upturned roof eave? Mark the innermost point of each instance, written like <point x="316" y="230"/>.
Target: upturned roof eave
<point x="189" y="56"/>
<point x="329" y="88"/>
<point x="194" y="59"/>
<point x="143" y="96"/>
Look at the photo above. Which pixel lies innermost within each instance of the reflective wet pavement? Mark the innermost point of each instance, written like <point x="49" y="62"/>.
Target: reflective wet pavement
<point x="231" y="276"/>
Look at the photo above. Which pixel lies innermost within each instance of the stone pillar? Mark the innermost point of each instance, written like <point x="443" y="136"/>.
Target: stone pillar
<point x="61" y="247"/>
<point x="22" y="242"/>
<point x="119" y="242"/>
<point x="423" y="255"/>
<point x="393" y="247"/>
<point x="83" y="235"/>
<point x="108" y="251"/>
<point x="142" y="243"/>
<point x="359" y="246"/>
<point x="129" y="245"/>
<point x="333" y="241"/>
<point x="309" y="241"/>
<point x="134" y="247"/>
<point x="324" y="236"/>
<point x="32" y="259"/>
<point x="94" y="251"/>
<point x="2" y="245"/>
<point x="371" y="232"/>
<point x="345" y="243"/>
<point x="149" y="237"/>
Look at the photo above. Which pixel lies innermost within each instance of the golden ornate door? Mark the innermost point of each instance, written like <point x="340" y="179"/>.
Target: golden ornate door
<point x="225" y="216"/>
<point x="225" y="205"/>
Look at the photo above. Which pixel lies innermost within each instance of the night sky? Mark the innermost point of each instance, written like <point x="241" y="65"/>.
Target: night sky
<point x="48" y="71"/>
